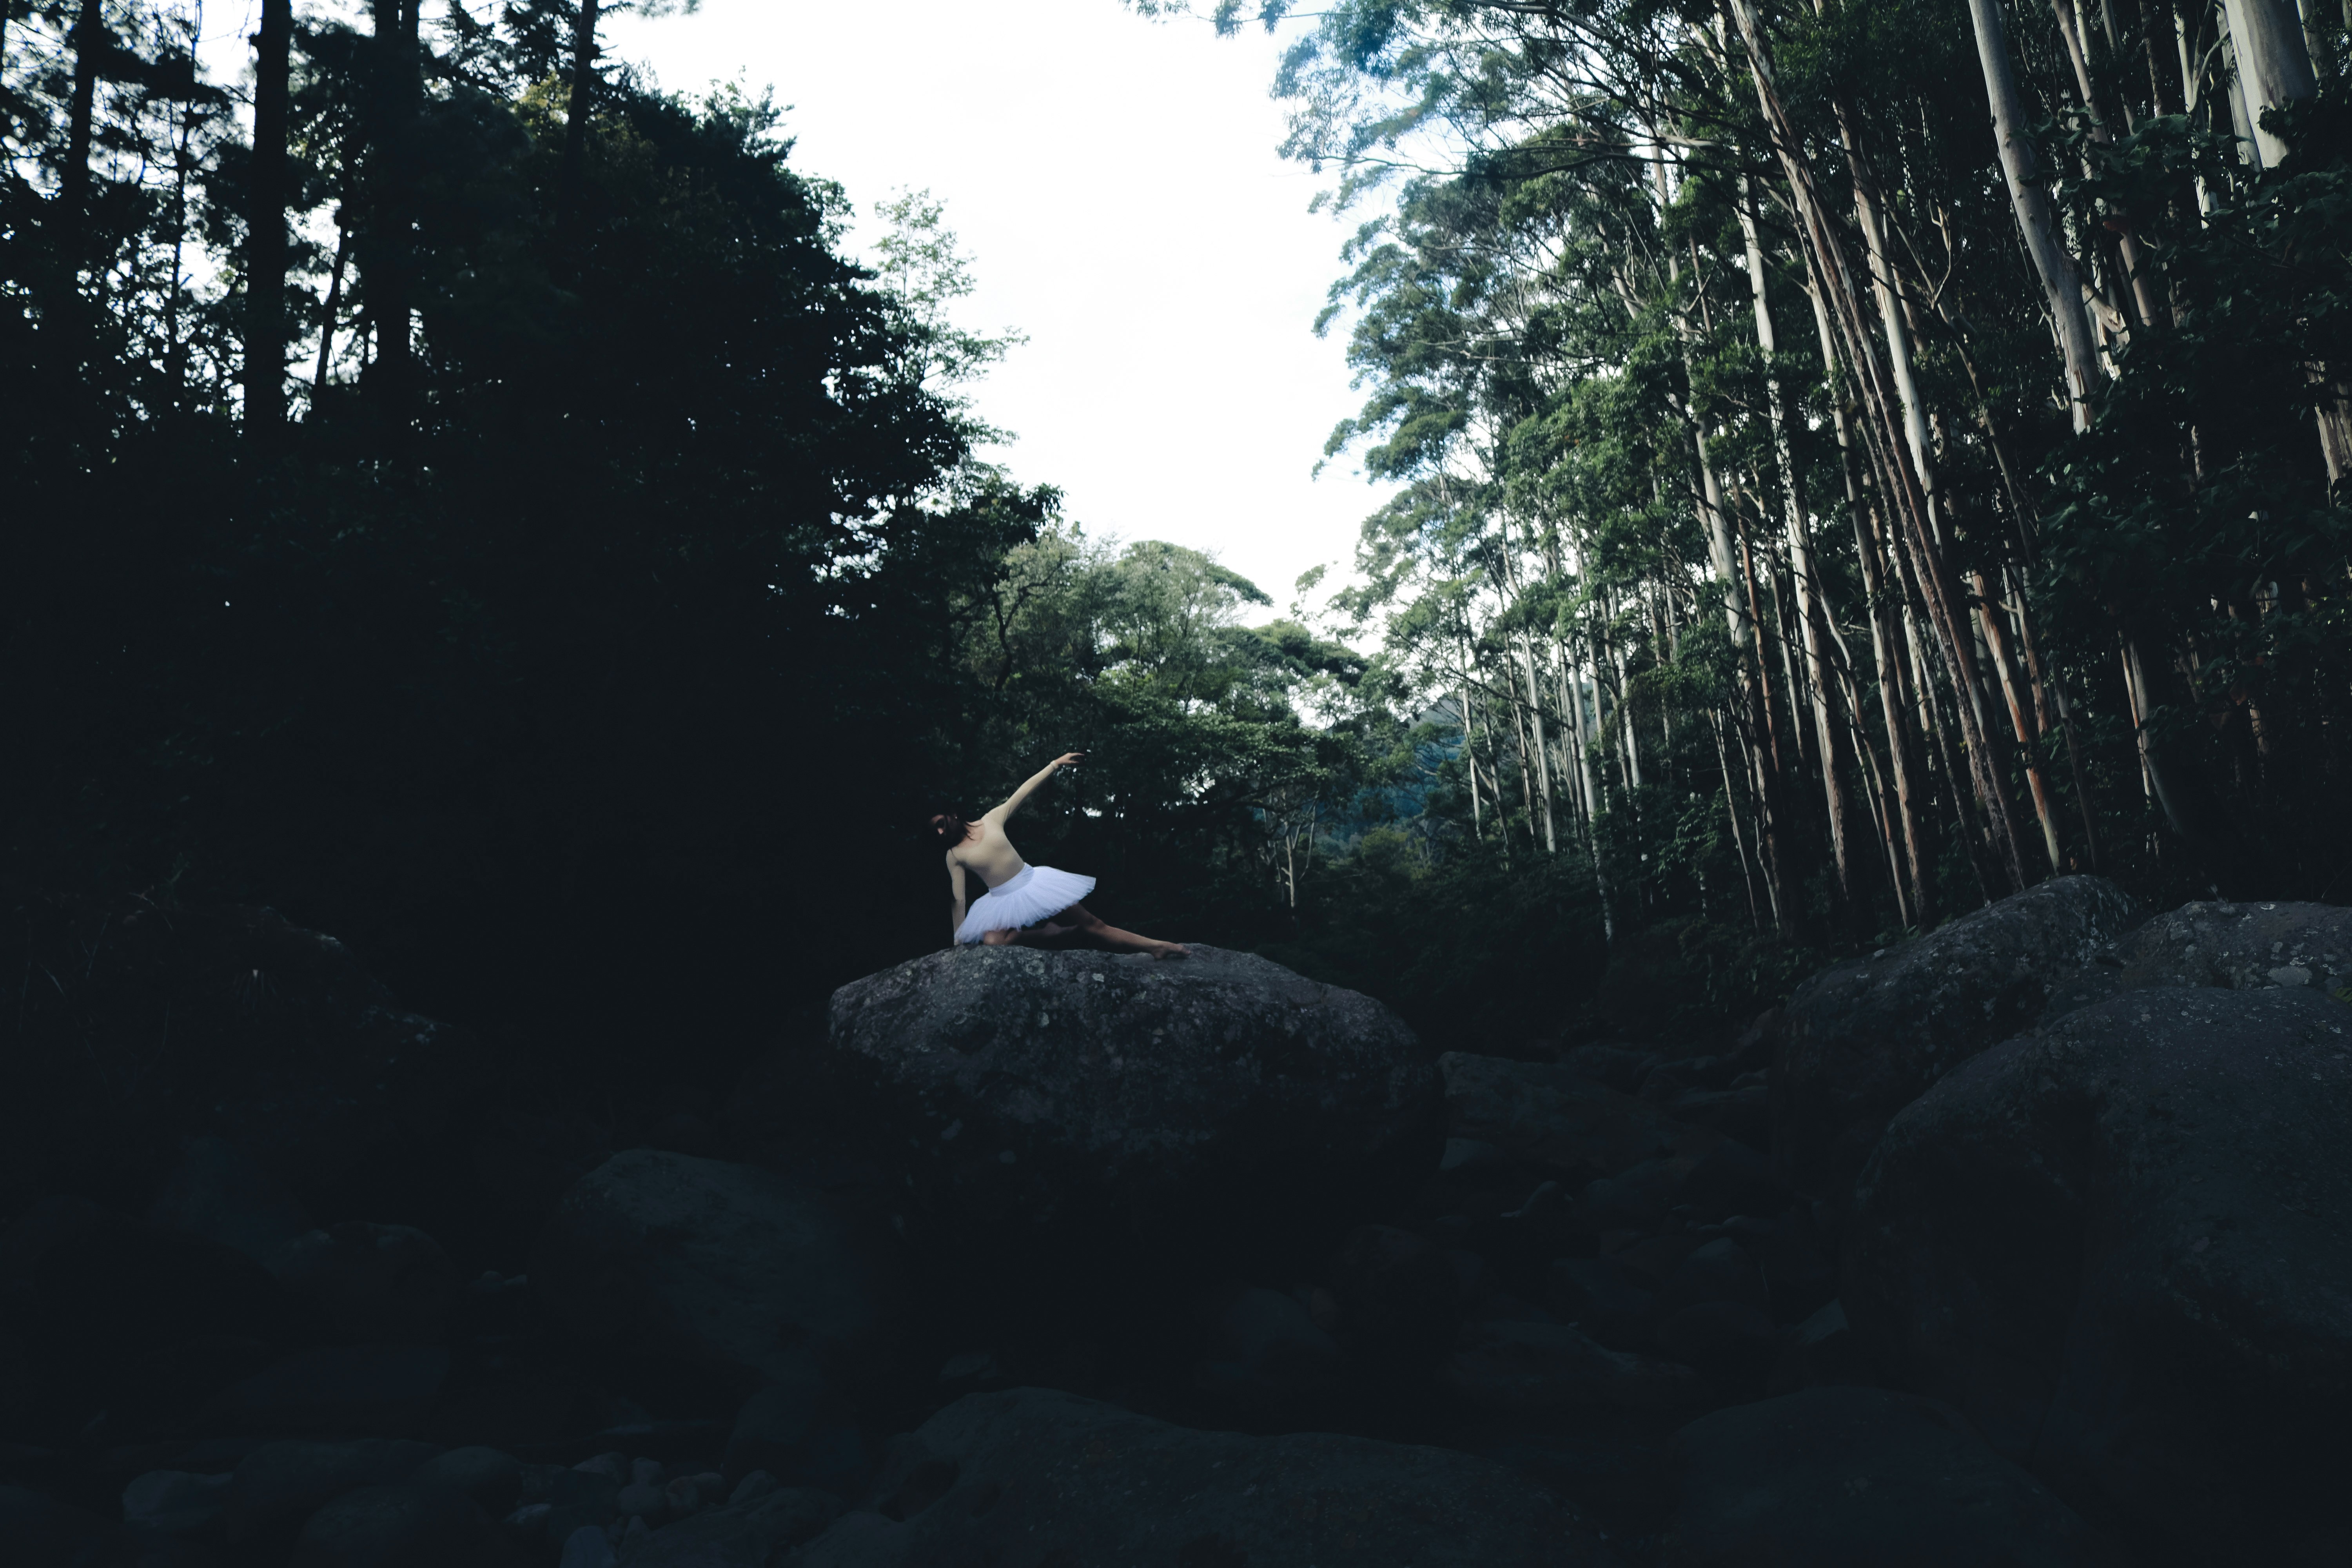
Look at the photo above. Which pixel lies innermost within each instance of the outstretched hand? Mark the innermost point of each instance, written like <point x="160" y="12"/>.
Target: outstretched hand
<point x="1068" y="759"/>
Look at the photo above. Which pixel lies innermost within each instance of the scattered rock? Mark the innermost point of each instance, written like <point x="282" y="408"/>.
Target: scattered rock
<point x="1086" y="1095"/>
<point x="403" y="1527"/>
<point x="1860" y="1041"/>
<point x="708" y="1278"/>
<point x="1859" y="1477"/>
<point x="2117" y="1245"/>
<point x="754" y="1533"/>
<point x="1034" y="1476"/>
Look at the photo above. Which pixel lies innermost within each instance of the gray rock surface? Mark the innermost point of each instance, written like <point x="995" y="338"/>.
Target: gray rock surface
<point x="715" y="1277"/>
<point x="1861" y="1478"/>
<point x="2120" y="1247"/>
<point x="1040" y="1093"/>
<point x="2241" y="947"/>
<point x="1860" y="1041"/>
<point x="1030" y="1477"/>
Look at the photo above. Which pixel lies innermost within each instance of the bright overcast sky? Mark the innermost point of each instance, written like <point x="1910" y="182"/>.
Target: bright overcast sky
<point x="1115" y="182"/>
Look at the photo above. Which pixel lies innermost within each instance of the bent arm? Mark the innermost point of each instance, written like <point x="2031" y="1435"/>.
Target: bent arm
<point x="955" y="885"/>
<point x="1013" y="801"/>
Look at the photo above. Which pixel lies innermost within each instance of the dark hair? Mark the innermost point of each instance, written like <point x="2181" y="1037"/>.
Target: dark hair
<point x="950" y="825"/>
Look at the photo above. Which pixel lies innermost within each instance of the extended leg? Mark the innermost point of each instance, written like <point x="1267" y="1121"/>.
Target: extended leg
<point x="1077" y="917"/>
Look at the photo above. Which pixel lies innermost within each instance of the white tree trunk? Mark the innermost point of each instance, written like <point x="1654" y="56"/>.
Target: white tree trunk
<point x="2273" y="67"/>
<point x="2061" y="283"/>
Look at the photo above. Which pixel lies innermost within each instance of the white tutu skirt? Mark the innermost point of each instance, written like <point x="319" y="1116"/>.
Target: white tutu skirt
<point x="1034" y="893"/>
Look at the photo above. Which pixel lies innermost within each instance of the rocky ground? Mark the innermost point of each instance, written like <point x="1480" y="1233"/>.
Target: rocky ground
<point x="2024" y="1242"/>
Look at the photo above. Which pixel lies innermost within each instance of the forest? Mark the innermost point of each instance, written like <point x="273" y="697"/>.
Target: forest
<point x="496" y="579"/>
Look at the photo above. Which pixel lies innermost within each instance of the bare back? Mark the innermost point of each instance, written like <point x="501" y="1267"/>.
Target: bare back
<point x="987" y="853"/>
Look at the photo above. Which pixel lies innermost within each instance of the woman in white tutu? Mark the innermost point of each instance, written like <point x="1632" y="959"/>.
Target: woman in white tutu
<point x="1023" y="903"/>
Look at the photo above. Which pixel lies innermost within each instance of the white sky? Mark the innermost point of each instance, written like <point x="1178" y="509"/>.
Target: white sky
<point x="1115" y="182"/>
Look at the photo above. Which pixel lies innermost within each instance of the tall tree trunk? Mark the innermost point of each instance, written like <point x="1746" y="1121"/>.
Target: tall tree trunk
<point x="334" y="304"/>
<point x="1996" y="636"/>
<point x="392" y="254"/>
<point x="1543" y="755"/>
<point x="90" y="43"/>
<point x="575" y="129"/>
<point x="1801" y="572"/>
<point x="1884" y="634"/>
<point x="265" y="244"/>
<point x="2062" y="282"/>
<point x="2273" y="69"/>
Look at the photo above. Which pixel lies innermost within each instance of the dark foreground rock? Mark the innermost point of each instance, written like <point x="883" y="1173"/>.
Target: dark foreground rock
<point x="1099" y="1095"/>
<point x="1029" y="1476"/>
<point x="706" y="1280"/>
<point x="1859" y="1042"/>
<point x="1862" y="1478"/>
<point x="2120" y="1248"/>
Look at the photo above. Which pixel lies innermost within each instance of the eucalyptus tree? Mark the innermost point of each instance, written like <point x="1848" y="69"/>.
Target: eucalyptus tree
<point x="2055" y="261"/>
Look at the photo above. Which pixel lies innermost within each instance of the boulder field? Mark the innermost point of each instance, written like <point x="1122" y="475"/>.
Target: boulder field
<point x="2022" y="1241"/>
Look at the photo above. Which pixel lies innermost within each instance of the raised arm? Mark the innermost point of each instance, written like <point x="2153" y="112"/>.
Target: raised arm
<point x="1013" y="801"/>
<point x="955" y="885"/>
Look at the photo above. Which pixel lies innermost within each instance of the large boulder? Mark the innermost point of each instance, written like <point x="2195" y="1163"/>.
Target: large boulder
<point x="1860" y="1041"/>
<point x="1860" y="1477"/>
<point x="708" y="1280"/>
<point x="2119" y="1247"/>
<point x="1058" y="1095"/>
<point x="2240" y="947"/>
<point x="1031" y="1475"/>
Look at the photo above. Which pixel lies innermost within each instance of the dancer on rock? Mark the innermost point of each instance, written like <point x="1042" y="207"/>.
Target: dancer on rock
<point x="1023" y="903"/>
